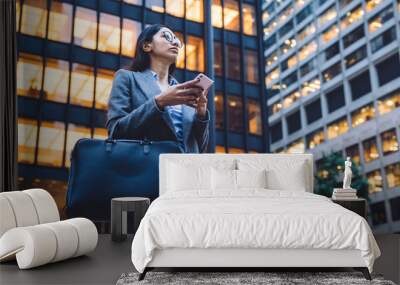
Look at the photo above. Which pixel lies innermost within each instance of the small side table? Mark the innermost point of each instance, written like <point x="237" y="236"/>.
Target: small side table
<point x="358" y="206"/>
<point x="119" y="209"/>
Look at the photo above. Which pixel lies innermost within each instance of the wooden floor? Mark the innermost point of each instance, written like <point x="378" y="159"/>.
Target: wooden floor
<point x="110" y="260"/>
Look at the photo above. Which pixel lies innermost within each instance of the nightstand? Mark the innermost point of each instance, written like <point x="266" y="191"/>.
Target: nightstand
<point x="358" y="206"/>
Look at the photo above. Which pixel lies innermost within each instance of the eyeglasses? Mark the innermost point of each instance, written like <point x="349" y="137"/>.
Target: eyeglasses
<point x="171" y="38"/>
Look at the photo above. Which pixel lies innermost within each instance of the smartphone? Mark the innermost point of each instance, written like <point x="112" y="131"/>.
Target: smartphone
<point x="204" y="82"/>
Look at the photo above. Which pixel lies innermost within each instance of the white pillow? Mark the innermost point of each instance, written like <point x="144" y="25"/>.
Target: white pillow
<point x="251" y="178"/>
<point x="223" y="179"/>
<point x="182" y="177"/>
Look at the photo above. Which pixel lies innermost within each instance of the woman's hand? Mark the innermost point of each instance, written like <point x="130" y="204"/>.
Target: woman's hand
<point x="184" y="93"/>
<point x="201" y="104"/>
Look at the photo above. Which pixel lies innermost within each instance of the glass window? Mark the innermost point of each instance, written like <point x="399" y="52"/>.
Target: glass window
<point x="327" y="15"/>
<point x="332" y="51"/>
<point x="378" y="213"/>
<point x="389" y="142"/>
<point x="231" y="15"/>
<point x="233" y="62"/>
<point x="56" y="77"/>
<point x="337" y="128"/>
<point x="307" y="50"/>
<point x="289" y="80"/>
<point x="194" y="10"/>
<point x="100" y="133"/>
<point x="383" y="39"/>
<point x="287" y="45"/>
<point x="306" y="31"/>
<point x="251" y="63"/>
<point x="315" y="138"/>
<point x="82" y="85"/>
<point x="351" y="17"/>
<point x="313" y="111"/>
<point x="270" y="41"/>
<point x="29" y="75"/>
<point x="272" y="58"/>
<point x="356" y="56"/>
<point x="393" y="175"/>
<point x="296" y="147"/>
<point x="218" y="66"/>
<point x="85" y="28"/>
<point x="332" y="71"/>
<point x="289" y="63"/>
<point x="354" y="152"/>
<point x="354" y="36"/>
<point x="360" y="85"/>
<point x="130" y="32"/>
<point x="285" y="13"/>
<point x="104" y="81"/>
<point x="370" y="149"/>
<point x="60" y="22"/>
<point x="74" y="133"/>
<point x="290" y="99"/>
<point x="216" y="14"/>
<point x="329" y="34"/>
<point x="268" y="12"/>
<point x="249" y="20"/>
<point x="155" y="5"/>
<point x="388" y="69"/>
<point x="293" y="122"/>
<point x="134" y="2"/>
<point x="219" y="110"/>
<point x="27" y="133"/>
<point x="194" y="53"/>
<point x="34" y="17"/>
<point x="335" y="99"/>
<point x="389" y="102"/>
<point x="275" y="108"/>
<point x="254" y="117"/>
<point x="235" y="114"/>
<point x="276" y="132"/>
<point x="308" y="67"/>
<point x="310" y="86"/>
<point x="362" y="115"/>
<point x="288" y="27"/>
<point x="301" y="16"/>
<point x="344" y="3"/>
<point x="380" y="19"/>
<point x="109" y="33"/>
<point x="371" y="4"/>
<point x="51" y="143"/>
<point x="394" y="203"/>
<point x="375" y="183"/>
<point x="270" y="28"/>
<point x="271" y="76"/>
<point x="180" y="61"/>
<point x="175" y="7"/>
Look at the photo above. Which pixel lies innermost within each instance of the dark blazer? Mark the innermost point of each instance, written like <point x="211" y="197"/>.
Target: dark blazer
<point x="133" y="113"/>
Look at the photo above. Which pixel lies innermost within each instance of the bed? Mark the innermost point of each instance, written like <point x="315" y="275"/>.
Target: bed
<point x="247" y="210"/>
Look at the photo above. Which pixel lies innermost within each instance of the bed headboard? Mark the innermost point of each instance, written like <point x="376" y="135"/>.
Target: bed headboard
<point x="211" y="158"/>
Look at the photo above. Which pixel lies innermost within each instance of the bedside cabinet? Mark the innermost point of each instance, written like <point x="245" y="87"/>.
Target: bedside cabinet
<point x="358" y="206"/>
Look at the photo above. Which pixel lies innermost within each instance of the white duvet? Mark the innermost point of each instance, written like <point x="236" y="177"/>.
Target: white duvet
<point x="253" y="218"/>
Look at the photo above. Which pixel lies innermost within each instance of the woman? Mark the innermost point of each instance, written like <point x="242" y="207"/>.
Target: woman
<point x="148" y="102"/>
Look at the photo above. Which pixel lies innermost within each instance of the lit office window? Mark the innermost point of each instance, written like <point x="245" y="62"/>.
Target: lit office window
<point x="251" y="63"/>
<point x="306" y="31"/>
<point x="218" y="66"/>
<point x="315" y="138"/>
<point x="34" y="17"/>
<point x="175" y="7"/>
<point x="231" y="15"/>
<point x="104" y="81"/>
<point x="331" y="33"/>
<point x="194" y="10"/>
<point x="27" y="133"/>
<point x="272" y="58"/>
<point x="51" y="143"/>
<point x="60" y="22"/>
<point x="328" y="15"/>
<point x="74" y="133"/>
<point x="109" y="33"/>
<point x="220" y="149"/>
<point x="296" y="147"/>
<point x="100" y="133"/>
<point x="134" y="2"/>
<point x="389" y="142"/>
<point x="272" y="76"/>
<point x="130" y="32"/>
<point x="18" y="15"/>
<point x="310" y="86"/>
<point x="82" y="85"/>
<point x="285" y="14"/>
<point x="254" y="117"/>
<point x="389" y="102"/>
<point x="370" y="149"/>
<point x="307" y="50"/>
<point x="180" y="61"/>
<point x="194" y="53"/>
<point x="289" y="63"/>
<point x="371" y="4"/>
<point x="56" y="77"/>
<point x="85" y="28"/>
<point x="275" y="108"/>
<point x="249" y="20"/>
<point x="351" y="17"/>
<point x="155" y="5"/>
<point x="380" y="19"/>
<point x="332" y="71"/>
<point x="287" y="45"/>
<point x="233" y="62"/>
<point x="270" y="28"/>
<point x="393" y="175"/>
<point x="337" y="128"/>
<point x="291" y="98"/>
<point x="354" y="153"/>
<point x="216" y="14"/>
<point x="235" y="150"/>
<point x="235" y="114"/>
<point x="299" y="3"/>
<point x="362" y="115"/>
<point x="29" y="75"/>
<point x="219" y="110"/>
<point x="375" y="182"/>
<point x="356" y="56"/>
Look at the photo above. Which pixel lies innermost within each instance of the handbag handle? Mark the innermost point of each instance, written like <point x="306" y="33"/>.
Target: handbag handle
<point x="145" y="142"/>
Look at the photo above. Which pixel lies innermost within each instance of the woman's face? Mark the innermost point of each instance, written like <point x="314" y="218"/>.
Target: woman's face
<point x="166" y="45"/>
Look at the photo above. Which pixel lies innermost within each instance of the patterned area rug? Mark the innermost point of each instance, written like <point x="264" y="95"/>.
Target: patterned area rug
<point x="242" y="278"/>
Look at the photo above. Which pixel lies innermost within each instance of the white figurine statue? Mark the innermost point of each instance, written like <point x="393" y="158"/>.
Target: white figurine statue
<point x="347" y="174"/>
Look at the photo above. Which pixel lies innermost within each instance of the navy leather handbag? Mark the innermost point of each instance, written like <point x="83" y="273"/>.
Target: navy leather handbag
<point x="105" y="169"/>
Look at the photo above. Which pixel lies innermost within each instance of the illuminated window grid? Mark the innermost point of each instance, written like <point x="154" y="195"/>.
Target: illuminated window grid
<point x="74" y="133"/>
<point x="109" y="33"/>
<point x="389" y="103"/>
<point x="296" y="147"/>
<point x="362" y="115"/>
<point x="51" y="144"/>
<point x="60" y="22"/>
<point x="352" y="17"/>
<point x="82" y="85"/>
<point x="389" y="142"/>
<point x="104" y="81"/>
<point x="254" y="117"/>
<point x="375" y="181"/>
<point x="34" y="17"/>
<point x="29" y="75"/>
<point x="27" y="135"/>
<point x="370" y="149"/>
<point x="56" y="78"/>
<point x="85" y="28"/>
<point x="337" y="128"/>
<point x="315" y="139"/>
<point x="393" y="175"/>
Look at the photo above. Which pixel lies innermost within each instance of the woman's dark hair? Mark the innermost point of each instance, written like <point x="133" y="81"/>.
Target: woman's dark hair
<point x="141" y="60"/>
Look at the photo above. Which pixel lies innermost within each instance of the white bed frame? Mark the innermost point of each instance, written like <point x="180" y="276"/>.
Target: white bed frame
<point x="250" y="257"/>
